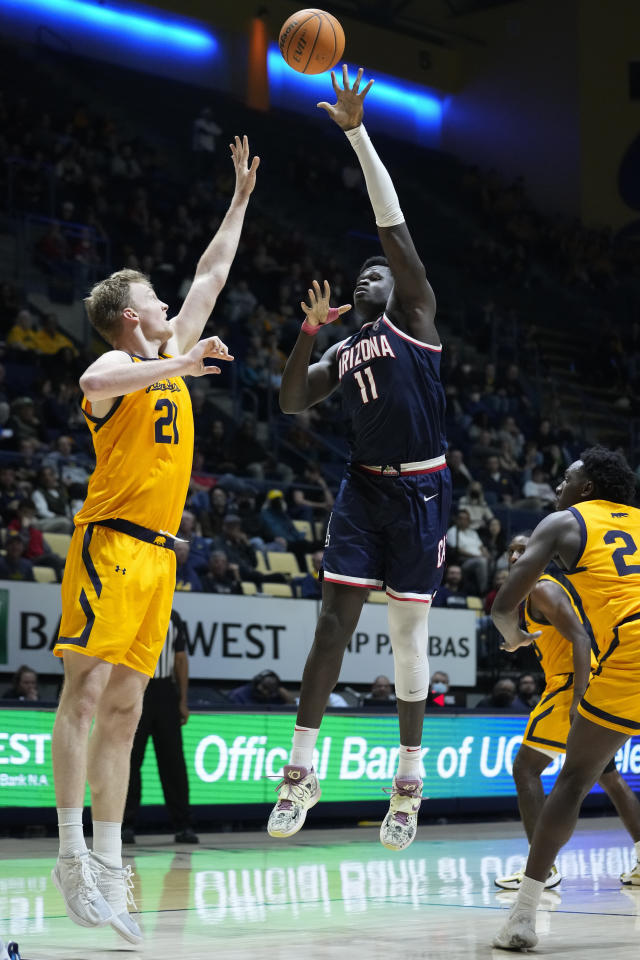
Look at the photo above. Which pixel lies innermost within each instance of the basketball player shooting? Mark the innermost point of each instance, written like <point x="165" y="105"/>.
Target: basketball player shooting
<point x="389" y="520"/>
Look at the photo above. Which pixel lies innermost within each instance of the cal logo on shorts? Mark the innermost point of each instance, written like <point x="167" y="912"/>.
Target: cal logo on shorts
<point x="160" y="541"/>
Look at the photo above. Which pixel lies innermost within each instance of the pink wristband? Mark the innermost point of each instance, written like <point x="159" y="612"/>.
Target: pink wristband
<point x="312" y="330"/>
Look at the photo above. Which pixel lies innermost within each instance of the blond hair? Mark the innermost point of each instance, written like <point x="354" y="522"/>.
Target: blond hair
<point x="109" y="298"/>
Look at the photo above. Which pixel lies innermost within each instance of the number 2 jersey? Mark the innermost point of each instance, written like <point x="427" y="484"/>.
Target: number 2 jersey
<point x="144" y="454"/>
<point x="606" y="574"/>
<point x="391" y="395"/>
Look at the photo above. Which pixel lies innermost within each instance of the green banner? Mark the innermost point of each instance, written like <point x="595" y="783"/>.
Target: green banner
<point x="238" y="757"/>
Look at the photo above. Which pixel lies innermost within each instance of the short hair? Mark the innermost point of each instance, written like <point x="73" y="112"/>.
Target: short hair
<point x="109" y="298"/>
<point x="611" y="476"/>
<point x="378" y="261"/>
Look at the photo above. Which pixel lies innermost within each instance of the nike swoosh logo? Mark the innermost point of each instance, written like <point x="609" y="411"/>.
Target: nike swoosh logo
<point x="426" y="499"/>
<point x="414" y="691"/>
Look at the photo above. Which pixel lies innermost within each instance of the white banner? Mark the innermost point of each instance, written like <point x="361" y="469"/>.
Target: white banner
<point x="233" y="638"/>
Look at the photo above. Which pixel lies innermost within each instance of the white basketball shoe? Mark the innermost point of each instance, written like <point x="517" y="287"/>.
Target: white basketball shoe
<point x="298" y="791"/>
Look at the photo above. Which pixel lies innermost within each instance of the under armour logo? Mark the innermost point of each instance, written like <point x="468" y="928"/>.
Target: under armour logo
<point x="120" y="569"/>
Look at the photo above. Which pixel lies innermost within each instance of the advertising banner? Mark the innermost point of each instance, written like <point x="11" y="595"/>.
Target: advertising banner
<point x="233" y="638"/>
<point x="238" y="757"/>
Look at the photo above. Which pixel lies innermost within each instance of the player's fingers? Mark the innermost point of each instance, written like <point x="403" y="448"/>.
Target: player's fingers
<point x="334" y="82"/>
<point x="356" y="83"/>
<point x="305" y="308"/>
<point x="316" y="289"/>
<point x="343" y="309"/>
<point x="245" y="145"/>
<point x="327" y="290"/>
<point x="366" y="89"/>
<point x="345" y="76"/>
<point x="255" y="163"/>
<point x="312" y="297"/>
<point x="209" y="370"/>
<point x="325" y="106"/>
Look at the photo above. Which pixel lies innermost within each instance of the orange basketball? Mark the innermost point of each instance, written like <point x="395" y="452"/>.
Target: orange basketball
<point x="311" y="41"/>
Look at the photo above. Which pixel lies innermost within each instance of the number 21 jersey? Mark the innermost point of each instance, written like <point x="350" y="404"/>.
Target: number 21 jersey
<point x="144" y="454"/>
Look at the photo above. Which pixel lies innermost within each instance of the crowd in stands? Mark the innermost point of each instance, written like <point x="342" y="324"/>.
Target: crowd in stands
<point x="263" y="484"/>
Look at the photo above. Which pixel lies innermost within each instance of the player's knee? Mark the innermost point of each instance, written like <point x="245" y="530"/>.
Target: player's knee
<point x="121" y="717"/>
<point x="334" y="629"/>
<point x="522" y="770"/>
<point x="409" y="641"/>
<point x="576" y="780"/>
<point x="411" y="667"/>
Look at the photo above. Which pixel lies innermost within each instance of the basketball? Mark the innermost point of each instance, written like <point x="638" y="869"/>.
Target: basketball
<point x="311" y="41"/>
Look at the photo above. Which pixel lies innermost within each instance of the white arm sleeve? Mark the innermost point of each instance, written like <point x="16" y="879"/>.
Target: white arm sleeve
<point x="382" y="194"/>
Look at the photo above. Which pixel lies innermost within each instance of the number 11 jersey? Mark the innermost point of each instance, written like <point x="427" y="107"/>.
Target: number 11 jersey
<point x="144" y="454"/>
<point x="391" y="395"/>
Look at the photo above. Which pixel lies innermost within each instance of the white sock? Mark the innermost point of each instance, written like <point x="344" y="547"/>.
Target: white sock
<point x="637" y="846"/>
<point x="70" y="831"/>
<point x="529" y="896"/>
<point x="107" y="842"/>
<point x="409" y="762"/>
<point x="304" y="740"/>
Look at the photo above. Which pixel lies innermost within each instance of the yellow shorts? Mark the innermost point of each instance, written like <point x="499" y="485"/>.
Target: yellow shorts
<point x="612" y="698"/>
<point x="117" y="593"/>
<point x="548" y="726"/>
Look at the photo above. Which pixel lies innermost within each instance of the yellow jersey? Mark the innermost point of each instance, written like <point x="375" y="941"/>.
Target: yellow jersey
<point x="553" y="650"/>
<point x="606" y="573"/>
<point x="144" y="455"/>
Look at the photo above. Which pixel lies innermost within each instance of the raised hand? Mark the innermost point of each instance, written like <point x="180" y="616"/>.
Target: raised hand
<point x="245" y="174"/>
<point x="347" y="111"/>
<point x="318" y="312"/>
<point x="211" y="347"/>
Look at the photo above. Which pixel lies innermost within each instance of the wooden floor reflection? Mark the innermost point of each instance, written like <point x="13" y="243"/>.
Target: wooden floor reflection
<point x="332" y="894"/>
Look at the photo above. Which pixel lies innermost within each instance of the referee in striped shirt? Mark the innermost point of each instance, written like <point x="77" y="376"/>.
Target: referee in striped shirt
<point x="164" y="712"/>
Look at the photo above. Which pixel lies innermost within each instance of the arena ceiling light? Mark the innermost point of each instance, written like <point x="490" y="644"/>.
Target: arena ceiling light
<point x="389" y="95"/>
<point x="118" y="21"/>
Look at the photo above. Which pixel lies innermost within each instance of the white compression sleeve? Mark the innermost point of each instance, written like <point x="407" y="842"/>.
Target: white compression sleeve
<point x="382" y="194"/>
<point x="409" y="634"/>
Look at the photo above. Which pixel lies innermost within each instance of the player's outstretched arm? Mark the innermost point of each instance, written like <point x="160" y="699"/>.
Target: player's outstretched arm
<point x="551" y="601"/>
<point x="114" y="374"/>
<point x="214" y="264"/>
<point x="412" y="297"/>
<point x="302" y="385"/>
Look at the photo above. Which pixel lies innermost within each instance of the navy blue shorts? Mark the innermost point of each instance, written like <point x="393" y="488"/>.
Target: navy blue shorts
<point x="389" y="531"/>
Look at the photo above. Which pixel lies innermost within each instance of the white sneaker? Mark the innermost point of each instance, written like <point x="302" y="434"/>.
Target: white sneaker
<point x="4" y="953"/>
<point x="513" y="881"/>
<point x="399" y="826"/>
<point x="518" y="933"/>
<point x="116" y="886"/>
<point x="632" y="876"/>
<point x="298" y="792"/>
<point x="75" y="879"/>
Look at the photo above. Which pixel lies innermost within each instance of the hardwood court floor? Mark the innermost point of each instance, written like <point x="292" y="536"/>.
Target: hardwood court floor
<point x="333" y="895"/>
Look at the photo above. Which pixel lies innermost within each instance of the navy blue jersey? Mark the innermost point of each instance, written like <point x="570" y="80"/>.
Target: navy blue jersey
<point x="391" y="395"/>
